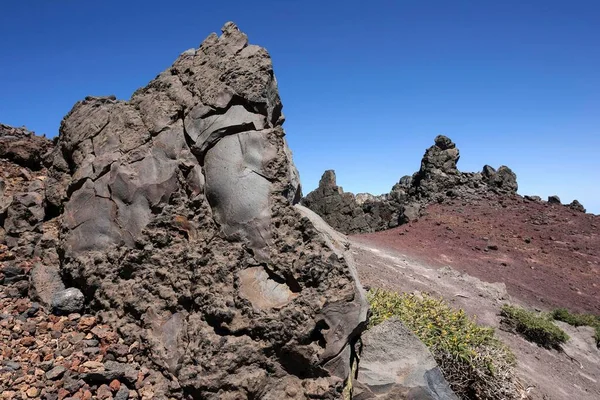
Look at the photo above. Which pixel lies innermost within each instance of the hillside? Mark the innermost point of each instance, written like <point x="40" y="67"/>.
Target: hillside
<point x="548" y="255"/>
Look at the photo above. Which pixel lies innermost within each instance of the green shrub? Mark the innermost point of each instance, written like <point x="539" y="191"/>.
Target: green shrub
<point x="534" y="327"/>
<point x="564" y="315"/>
<point x="473" y="361"/>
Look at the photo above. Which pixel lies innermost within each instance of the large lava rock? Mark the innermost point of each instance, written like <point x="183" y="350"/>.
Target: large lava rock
<point x="179" y="227"/>
<point x="396" y="365"/>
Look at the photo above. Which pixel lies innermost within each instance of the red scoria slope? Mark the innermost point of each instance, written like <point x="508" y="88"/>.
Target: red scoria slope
<point x="547" y="255"/>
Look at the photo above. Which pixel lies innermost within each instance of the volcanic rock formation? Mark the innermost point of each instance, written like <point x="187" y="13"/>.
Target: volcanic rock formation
<point x="174" y="213"/>
<point x="437" y="179"/>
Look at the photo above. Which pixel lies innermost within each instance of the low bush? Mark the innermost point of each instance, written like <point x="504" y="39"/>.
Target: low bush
<point x="564" y="315"/>
<point x="473" y="361"/>
<point x="534" y="327"/>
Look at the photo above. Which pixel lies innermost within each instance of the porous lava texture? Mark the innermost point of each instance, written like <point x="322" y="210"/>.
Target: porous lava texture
<point x="179" y="226"/>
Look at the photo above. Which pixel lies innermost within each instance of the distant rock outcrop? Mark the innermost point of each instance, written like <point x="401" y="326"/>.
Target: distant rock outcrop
<point x="437" y="179"/>
<point x="349" y="213"/>
<point x="577" y="206"/>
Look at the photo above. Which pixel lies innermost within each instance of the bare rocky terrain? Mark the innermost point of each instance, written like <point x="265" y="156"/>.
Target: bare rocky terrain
<point x="159" y="248"/>
<point x="544" y="374"/>
<point x="472" y="240"/>
<point x="548" y="255"/>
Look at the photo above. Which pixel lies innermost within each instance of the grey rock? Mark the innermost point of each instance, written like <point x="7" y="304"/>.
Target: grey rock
<point x="112" y="370"/>
<point x="68" y="301"/>
<point x="122" y="393"/>
<point x="46" y="282"/>
<point x="56" y="373"/>
<point x="554" y="200"/>
<point x="577" y="206"/>
<point x="503" y="180"/>
<point x="488" y="172"/>
<point x="12" y="365"/>
<point x="349" y="213"/>
<point x="46" y="365"/>
<point x="25" y="213"/>
<point x="72" y="385"/>
<point x="533" y="198"/>
<point x="395" y="364"/>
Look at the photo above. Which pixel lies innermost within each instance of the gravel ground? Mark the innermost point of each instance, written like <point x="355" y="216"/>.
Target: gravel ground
<point x="62" y="357"/>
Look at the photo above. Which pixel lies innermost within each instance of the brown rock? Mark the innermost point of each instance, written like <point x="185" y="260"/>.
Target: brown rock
<point x="27" y="341"/>
<point x="104" y="392"/>
<point x="33" y="392"/>
<point x="86" y="323"/>
<point x="115" y="385"/>
<point x="62" y="393"/>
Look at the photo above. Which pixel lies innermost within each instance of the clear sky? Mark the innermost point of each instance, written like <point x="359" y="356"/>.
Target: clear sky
<point x="366" y="85"/>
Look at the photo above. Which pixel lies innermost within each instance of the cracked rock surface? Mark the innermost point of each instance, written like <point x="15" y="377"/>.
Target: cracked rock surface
<point x="179" y="227"/>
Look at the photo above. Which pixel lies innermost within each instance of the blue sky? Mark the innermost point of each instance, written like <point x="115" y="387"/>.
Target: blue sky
<point x="366" y="85"/>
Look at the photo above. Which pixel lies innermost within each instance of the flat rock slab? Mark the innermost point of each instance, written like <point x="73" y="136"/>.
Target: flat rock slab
<point x="395" y="364"/>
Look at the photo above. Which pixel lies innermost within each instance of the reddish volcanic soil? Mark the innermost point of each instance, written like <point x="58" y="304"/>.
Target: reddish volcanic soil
<point x="547" y="255"/>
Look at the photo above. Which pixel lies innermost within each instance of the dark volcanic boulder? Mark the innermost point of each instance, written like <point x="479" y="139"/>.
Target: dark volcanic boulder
<point x="504" y="180"/>
<point x="179" y="227"/>
<point x="438" y="171"/>
<point x="577" y="206"/>
<point x="395" y="364"/>
<point x="554" y="200"/>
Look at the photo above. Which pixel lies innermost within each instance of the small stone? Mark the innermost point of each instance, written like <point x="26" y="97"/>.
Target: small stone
<point x="33" y="392"/>
<point x="68" y="301"/>
<point x="492" y="247"/>
<point x="86" y="323"/>
<point x="12" y="365"/>
<point x="27" y="341"/>
<point x="104" y="392"/>
<point x="73" y="385"/>
<point x="76" y="337"/>
<point x="123" y="393"/>
<point x="91" y="350"/>
<point x="56" y="372"/>
<point x="62" y="393"/>
<point x="66" y="352"/>
<point x="93" y="365"/>
<point x="115" y="385"/>
<point x="46" y="365"/>
<point x="74" y="316"/>
<point x="118" y="349"/>
<point x="90" y="343"/>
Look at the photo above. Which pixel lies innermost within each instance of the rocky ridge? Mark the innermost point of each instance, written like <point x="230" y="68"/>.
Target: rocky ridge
<point x="175" y="215"/>
<point x="438" y="180"/>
